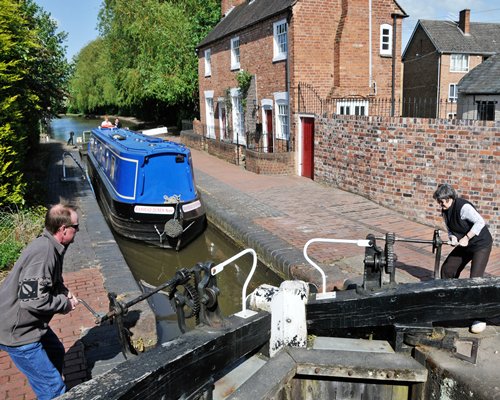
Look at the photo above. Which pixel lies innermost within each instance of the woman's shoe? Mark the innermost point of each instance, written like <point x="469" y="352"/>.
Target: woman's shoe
<point x="478" y="326"/>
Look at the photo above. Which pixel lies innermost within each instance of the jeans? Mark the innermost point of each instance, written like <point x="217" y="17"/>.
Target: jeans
<point x="41" y="362"/>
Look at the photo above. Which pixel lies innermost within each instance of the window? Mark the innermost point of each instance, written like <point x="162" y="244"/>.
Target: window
<point x="486" y="110"/>
<point x="385" y="40"/>
<point x="459" y="63"/>
<point x="209" y="110"/>
<point x="352" y="107"/>
<point x="235" y="53"/>
<point x="238" y="118"/>
<point x="282" y="122"/>
<point x="208" y="62"/>
<point x="222" y="118"/>
<point x="280" y="40"/>
<point x="452" y="92"/>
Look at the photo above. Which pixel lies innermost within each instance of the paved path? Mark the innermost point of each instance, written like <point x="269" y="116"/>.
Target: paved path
<point x="287" y="211"/>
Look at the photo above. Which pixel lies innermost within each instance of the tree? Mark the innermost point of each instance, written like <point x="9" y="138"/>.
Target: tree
<point x="151" y="43"/>
<point x="32" y="76"/>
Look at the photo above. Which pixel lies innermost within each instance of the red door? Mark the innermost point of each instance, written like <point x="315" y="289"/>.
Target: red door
<point x="308" y="147"/>
<point x="269" y="128"/>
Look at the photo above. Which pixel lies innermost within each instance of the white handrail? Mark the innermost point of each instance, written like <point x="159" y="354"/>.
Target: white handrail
<point x="361" y="243"/>
<point x="244" y="313"/>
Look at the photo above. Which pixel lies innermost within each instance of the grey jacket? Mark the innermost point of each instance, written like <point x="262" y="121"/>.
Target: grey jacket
<point x="33" y="292"/>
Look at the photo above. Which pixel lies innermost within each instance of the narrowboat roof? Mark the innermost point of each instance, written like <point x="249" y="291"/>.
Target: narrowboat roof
<point x="136" y="142"/>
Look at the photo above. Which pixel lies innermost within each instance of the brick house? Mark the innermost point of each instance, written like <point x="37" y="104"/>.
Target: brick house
<point x="438" y="55"/>
<point x="345" y="50"/>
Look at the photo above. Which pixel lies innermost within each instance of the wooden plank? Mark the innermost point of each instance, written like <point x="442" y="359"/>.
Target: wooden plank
<point x="269" y="380"/>
<point x="364" y="366"/>
<point x="180" y="366"/>
<point x="411" y="304"/>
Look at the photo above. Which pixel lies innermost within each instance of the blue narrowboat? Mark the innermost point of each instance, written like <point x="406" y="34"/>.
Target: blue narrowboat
<point x="146" y="187"/>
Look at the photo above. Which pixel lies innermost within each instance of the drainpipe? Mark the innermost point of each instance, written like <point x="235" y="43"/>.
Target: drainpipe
<point x="438" y="89"/>
<point x="394" y="44"/>
<point x="288" y="84"/>
<point x="370" y="62"/>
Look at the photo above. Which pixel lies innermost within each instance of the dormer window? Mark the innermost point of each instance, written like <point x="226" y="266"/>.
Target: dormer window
<point x="235" y="53"/>
<point x="280" y="40"/>
<point x="385" y="40"/>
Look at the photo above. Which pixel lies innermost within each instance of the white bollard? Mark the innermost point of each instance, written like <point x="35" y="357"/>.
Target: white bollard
<point x="288" y="316"/>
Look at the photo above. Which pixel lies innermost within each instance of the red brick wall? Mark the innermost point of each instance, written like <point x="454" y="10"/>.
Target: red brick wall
<point x="270" y="163"/>
<point x="398" y="162"/>
<point x="336" y="60"/>
<point x="256" y="54"/>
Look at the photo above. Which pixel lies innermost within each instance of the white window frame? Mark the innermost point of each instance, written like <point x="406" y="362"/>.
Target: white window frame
<point x="209" y="113"/>
<point x="386" y="40"/>
<point x="268" y="137"/>
<point x="280" y="40"/>
<point x="352" y="107"/>
<point x="282" y="115"/>
<point x="453" y="92"/>
<point x="222" y="118"/>
<point x="459" y="62"/>
<point x="208" y="62"/>
<point x="235" y="53"/>
<point x="238" y="117"/>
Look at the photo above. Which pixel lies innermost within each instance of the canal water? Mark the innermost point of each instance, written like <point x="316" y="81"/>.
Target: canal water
<point x="155" y="266"/>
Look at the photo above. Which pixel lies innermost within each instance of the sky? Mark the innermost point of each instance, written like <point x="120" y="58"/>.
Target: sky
<point x="79" y="17"/>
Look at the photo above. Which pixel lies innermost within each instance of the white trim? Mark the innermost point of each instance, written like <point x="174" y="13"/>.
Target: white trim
<point x="385" y="45"/>
<point x="281" y="100"/>
<point x="453" y="64"/>
<point x="278" y="53"/>
<point x="208" y="62"/>
<point x="222" y="123"/>
<point x="105" y="176"/>
<point x="235" y="58"/>
<point x="237" y="117"/>
<point x="266" y="104"/>
<point x="210" y="113"/>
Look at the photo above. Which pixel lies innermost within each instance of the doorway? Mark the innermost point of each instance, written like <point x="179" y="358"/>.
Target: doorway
<point x="307" y="169"/>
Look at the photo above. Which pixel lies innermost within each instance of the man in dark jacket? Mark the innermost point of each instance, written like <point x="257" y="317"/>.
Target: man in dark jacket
<point x="31" y="295"/>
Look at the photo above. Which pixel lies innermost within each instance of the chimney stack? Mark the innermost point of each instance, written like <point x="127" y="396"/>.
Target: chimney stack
<point x="464" y="22"/>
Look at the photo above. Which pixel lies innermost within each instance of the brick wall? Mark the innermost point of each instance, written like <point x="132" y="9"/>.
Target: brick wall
<point x="227" y="151"/>
<point x="398" y="162"/>
<point x="270" y="163"/>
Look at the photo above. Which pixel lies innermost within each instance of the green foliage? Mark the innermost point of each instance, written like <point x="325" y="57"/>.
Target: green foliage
<point x="17" y="229"/>
<point x="33" y="71"/>
<point x="146" y="57"/>
<point x="244" y="79"/>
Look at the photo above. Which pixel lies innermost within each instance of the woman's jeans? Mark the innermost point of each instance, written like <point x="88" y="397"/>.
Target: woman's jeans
<point x="42" y="364"/>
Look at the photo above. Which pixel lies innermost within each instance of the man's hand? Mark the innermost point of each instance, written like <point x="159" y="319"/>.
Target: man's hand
<point x="71" y="303"/>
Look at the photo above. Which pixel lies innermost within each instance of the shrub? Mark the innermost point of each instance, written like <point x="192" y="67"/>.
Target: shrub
<point x="17" y="229"/>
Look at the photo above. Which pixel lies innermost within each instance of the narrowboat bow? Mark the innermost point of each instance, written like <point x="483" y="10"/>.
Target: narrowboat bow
<point x="146" y="187"/>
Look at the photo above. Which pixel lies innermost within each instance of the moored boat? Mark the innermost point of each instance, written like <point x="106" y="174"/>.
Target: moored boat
<point x="146" y="186"/>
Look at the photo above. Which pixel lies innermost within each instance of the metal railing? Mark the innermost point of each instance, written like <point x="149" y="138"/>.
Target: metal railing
<point x="310" y="102"/>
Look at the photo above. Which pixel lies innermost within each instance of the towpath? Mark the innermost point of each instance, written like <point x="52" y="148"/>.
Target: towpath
<point x="277" y="215"/>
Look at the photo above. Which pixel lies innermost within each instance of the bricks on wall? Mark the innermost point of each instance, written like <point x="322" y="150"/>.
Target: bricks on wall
<point x="270" y="163"/>
<point x="398" y="162"/>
